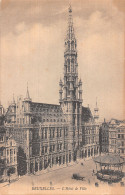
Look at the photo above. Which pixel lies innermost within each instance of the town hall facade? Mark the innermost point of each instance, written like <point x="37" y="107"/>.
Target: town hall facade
<point x="50" y="135"/>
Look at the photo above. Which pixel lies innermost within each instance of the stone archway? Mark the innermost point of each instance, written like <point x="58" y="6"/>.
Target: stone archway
<point x="40" y="165"/>
<point x="91" y="151"/>
<point x="82" y="154"/>
<point x="45" y="164"/>
<point x="36" y="166"/>
<point x="69" y="157"/>
<point x="85" y="153"/>
<point x="31" y="167"/>
<point x="88" y="152"/>
<point x="75" y="155"/>
<point x="64" y="159"/>
<point x="59" y="160"/>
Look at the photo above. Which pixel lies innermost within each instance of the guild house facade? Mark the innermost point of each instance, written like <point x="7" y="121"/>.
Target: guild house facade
<point x="51" y="135"/>
<point x="8" y="156"/>
<point x="112" y="137"/>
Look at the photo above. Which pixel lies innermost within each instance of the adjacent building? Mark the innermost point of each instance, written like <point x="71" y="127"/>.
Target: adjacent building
<point x="104" y="137"/>
<point x="111" y="137"/>
<point x="120" y="139"/>
<point x="8" y="156"/>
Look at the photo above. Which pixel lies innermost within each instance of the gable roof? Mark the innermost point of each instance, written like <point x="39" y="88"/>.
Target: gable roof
<point x="86" y="114"/>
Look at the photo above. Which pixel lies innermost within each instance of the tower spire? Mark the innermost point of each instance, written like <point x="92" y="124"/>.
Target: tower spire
<point x="70" y="90"/>
<point x="13" y="99"/>
<point x="96" y="112"/>
<point x="70" y="7"/>
<point x="27" y="94"/>
<point x="96" y="102"/>
<point x="70" y="31"/>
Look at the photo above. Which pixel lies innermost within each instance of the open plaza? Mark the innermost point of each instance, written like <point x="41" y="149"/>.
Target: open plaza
<point x="61" y="180"/>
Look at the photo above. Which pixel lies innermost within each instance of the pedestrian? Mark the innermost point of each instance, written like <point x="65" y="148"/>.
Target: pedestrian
<point x="50" y="183"/>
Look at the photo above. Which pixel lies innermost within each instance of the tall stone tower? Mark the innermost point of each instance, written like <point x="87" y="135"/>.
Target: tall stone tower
<point x="71" y="89"/>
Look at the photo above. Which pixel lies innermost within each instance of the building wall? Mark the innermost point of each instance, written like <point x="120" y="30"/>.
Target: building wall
<point x="90" y="140"/>
<point x="8" y="156"/>
<point x="112" y="135"/>
<point x="104" y="137"/>
<point x="121" y="140"/>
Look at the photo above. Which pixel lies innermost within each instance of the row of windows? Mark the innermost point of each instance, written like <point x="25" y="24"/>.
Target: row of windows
<point x="1" y="138"/>
<point x="112" y="135"/>
<point x="90" y="140"/>
<point x="105" y="139"/>
<point x="53" y="120"/>
<point x="121" y="130"/>
<point x="90" y="131"/>
<point x="104" y="132"/>
<point x="54" y="133"/>
<point x="113" y="141"/>
<point x="44" y="149"/>
<point x="59" y="147"/>
<point x="1" y="153"/>
<point x="46" y="110"/>
<point x="23" y="121"/>
<point x="11" y="151"/>
<point x="19" y="134"/>
<point x="90" y="128"/>
<point x="121" y="143"/>
<point x="11" y="159"/>
<point x="122" y="151"/>
<point x="121" y="136"/>
<point x="52" y="147"/>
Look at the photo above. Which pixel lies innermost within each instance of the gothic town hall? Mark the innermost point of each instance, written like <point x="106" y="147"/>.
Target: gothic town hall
<point x="50" y="135"/>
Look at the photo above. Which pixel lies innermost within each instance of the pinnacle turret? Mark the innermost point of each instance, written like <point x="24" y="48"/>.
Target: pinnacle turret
<point x="13" y="102"/>
<point x="96" y="110"/>
<point x="27" y="95"/>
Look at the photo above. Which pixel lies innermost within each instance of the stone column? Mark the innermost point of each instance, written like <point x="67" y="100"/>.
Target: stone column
<point x="34" y="163"/>
<point x="44" y="162"/>
<point x="5" y="173"/>
<point x="28" y="166"/>
<point x="38" y="165"/>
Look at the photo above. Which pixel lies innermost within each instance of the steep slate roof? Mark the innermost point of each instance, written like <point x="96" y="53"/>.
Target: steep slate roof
<point x="2" y="129"/>
<point x="42" y="112"/>
<point x="2" y="119"/>
<point x="39" y="107"/>
<point x="86" y="114"/>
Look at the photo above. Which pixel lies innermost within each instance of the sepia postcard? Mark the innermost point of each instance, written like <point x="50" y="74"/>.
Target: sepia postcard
<point x="62" y="97"/>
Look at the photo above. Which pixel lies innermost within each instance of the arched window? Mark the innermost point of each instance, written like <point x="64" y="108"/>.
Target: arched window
<point x="72" y="45"/>
<point x="72" y="65"/>
<point x="68" y="63"/>
<point x="68" y="45"/>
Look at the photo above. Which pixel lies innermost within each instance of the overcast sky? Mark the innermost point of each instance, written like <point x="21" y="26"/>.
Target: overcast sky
<point x="32" y="50"/>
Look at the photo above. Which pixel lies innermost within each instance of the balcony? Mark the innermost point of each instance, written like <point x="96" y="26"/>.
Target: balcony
<point x="70" y="52"/>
